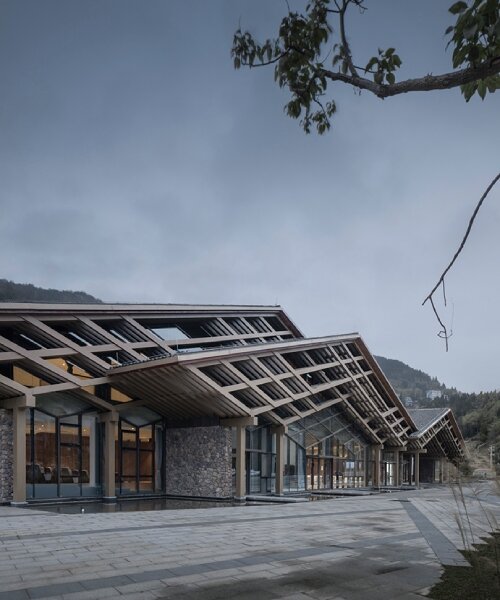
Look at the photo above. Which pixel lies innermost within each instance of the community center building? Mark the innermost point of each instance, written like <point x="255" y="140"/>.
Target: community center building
<point x="114" y="400"/>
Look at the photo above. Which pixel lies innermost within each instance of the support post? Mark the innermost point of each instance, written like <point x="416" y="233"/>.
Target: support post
<point x="417" y="468"/>
<point x="376" y="465"/>
<point x="240" y="424"/>
<point x="19" y="452"/>
<point x="241" y="476"/>
<point x="280" y="459"/>
<point x="110" y="420"/>
<point x="18" y="405"/>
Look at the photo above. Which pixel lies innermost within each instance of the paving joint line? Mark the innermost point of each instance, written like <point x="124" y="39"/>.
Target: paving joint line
<point x="86" y="585"/>
<point x="445" y="551"/>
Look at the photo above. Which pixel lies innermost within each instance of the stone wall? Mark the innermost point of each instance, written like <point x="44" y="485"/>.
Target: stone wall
<point x="6" y="455"/>
<point x="198" y="462"/>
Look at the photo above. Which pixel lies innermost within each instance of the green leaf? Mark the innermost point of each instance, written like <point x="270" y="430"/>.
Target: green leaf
<point x="481" y="89"/>
<point x="371" y="63"/>
<point x="396" y="61"/>
<point x="390" y="78"/>
<point x="470" y="31"/>
<point x="457" y="8"/>
<point x="449" y="30"/>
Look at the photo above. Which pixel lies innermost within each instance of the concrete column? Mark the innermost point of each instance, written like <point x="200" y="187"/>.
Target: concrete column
<point x="241" y="475"/>
<point x="417" y="469"/>
<point x="19" y="455"/>
<point x="280" y="458"/>
<point x="18" y="405"/>
<point x="376" y="465"/>
<point x="110" y="420"/>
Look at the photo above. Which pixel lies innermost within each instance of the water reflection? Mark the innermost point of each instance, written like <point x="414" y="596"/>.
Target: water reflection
<point x="143" y="504"/>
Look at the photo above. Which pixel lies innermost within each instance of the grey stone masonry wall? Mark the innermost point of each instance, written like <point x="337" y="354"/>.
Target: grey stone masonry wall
<point x="6" y="455"/>
<point x="198" y="462"/>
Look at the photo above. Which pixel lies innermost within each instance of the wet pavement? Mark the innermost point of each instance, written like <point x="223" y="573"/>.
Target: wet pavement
<point x="387" y="546"/>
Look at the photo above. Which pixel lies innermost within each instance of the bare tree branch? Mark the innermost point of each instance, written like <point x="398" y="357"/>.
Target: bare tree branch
<point x="441" y="280"/>
<point x="444" y="332"/>
<point x="462" y="244"/>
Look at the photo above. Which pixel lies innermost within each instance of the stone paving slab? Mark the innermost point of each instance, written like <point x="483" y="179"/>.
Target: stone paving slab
<point x="361" y="547"/>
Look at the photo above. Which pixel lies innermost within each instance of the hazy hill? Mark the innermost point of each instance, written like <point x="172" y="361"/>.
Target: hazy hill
<point x="26" y="292"/>
<point x="478" y="415"/>
<point x="409" y="382"/>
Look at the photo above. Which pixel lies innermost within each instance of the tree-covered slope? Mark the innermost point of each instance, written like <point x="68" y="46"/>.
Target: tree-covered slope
<point x="26" y="292"/>
<point x="478" y="415"/>
<point x="409" y="382"/>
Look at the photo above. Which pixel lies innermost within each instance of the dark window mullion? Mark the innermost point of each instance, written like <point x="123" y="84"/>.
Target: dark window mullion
<point x="32" y="450"/>
<point x="58" y="457"/>
<point x="80" y="466"/>
<point x="137" y="461"/>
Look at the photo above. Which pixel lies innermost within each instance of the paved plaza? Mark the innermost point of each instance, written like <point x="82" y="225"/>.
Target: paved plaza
<point x="388" y="546"/>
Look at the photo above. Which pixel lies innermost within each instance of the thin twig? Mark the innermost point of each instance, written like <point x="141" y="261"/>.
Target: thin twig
<point x="462" y="244"/>
<point x="443" y="333"/>
<point x="441" y="281"/>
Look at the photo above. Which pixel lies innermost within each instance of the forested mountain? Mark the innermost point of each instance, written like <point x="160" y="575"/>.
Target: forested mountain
<point x="409" y="382"/>
<point x="26" y="292"/>
<point x="478" y="415"/>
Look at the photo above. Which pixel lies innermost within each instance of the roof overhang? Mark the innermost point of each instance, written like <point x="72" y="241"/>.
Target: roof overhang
<point x="177" y="386"/>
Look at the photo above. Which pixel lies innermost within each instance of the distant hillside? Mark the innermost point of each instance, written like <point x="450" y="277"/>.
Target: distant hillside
<point x="478" y="415"/>
<point x="409" y="382"/>
<point x="26" y="292"/>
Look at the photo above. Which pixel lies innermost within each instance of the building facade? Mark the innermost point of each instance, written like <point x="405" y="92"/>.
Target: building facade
<point x="105" y="401"/>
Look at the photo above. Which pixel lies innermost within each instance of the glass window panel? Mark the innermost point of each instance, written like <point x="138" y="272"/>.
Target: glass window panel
<point x="45" y="463"/>
<point x="61" y="403"/>
<point x="146" y="464"/>
<point x="70" y="464"/>
<point x="69" y="434"/>
<point x="146" y="437"/>
<point x="30" y="475"/>
<point x="128" y="471"/>
<point x="129" y="439"/>
<point x="139" y="416"/>
<point x="90" y="455"/>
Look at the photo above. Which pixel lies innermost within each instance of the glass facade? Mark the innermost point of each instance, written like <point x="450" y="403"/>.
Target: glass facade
<point x="64" y="441"/>
<point x="335" y="452"/>
<point x="260" y="460"/>
<point x="322" y="451"/>
<point x="62" y="449"/>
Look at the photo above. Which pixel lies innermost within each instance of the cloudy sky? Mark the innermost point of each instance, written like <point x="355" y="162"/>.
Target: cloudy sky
<point x="137" y="165"/>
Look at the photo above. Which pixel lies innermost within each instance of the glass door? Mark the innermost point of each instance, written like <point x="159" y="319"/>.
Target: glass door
<point x="139" y="458"/>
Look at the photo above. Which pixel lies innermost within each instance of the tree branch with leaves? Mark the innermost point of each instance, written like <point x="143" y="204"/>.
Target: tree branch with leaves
<point x="312" y="52"/>
<point x="308" y="56"/>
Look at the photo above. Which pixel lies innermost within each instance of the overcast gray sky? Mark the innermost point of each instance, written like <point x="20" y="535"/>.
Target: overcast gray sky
<point x="137" y="165"/>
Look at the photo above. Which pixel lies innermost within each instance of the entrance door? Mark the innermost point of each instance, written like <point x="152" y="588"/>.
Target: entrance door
<point x="137" y="459"/>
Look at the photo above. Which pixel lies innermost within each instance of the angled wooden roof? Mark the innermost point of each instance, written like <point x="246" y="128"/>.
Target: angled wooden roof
<point x="185" y="361"/>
